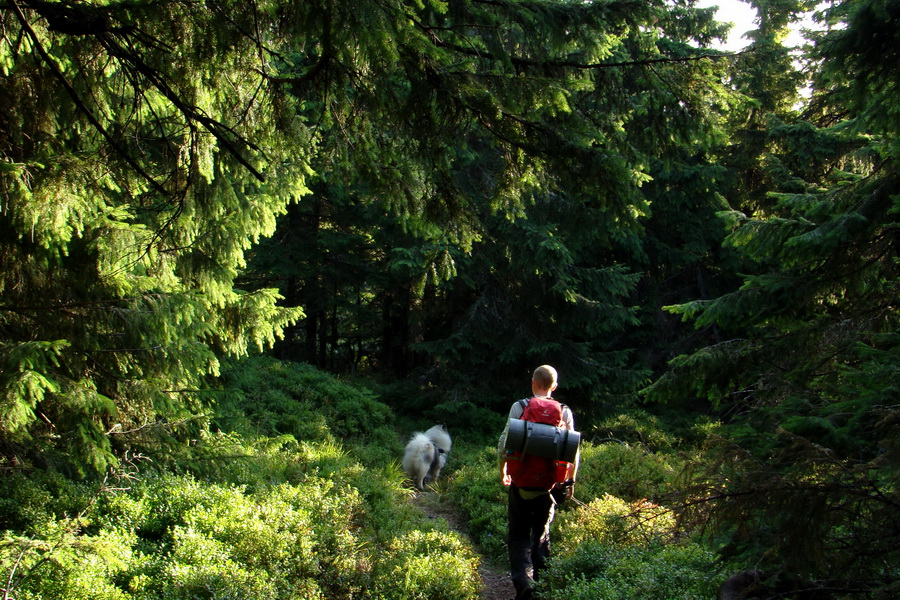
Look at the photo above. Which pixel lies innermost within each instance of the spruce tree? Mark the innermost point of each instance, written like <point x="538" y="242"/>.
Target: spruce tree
<point x="804" y="476"/>
<point x="141" y="158"/>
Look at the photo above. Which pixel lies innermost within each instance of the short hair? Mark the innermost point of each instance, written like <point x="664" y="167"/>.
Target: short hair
<point x="546" y="376"/>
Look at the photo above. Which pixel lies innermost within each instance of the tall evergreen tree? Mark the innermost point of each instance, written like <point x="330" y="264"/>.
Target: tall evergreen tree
<point x="140" y="159"/>
<point x="805" y="476"/>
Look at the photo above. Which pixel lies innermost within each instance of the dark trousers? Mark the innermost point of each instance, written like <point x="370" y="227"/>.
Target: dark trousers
<point x="528" y="539"/>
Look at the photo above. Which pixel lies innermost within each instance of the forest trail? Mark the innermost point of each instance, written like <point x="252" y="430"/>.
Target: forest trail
<point x="495" y="582"/>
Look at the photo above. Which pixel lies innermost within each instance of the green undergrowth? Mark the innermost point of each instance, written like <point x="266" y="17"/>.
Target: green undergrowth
<point x="610" y="549"/>
<point x="295" y="491"/>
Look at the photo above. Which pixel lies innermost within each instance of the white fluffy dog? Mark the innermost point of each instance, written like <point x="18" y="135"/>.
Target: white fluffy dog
<point x="426" y="454"/>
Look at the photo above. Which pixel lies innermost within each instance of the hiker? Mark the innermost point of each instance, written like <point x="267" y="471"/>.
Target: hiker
<point x="531" y="508"/>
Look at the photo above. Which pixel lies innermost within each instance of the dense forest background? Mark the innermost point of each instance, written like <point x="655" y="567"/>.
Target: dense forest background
<point x="424" y="200"/>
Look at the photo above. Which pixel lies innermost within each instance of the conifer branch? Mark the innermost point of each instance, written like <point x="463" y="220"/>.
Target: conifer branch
<point x="528" y="62"/>
<point x="82" y="20"/>
<point x="59" y="75"/>
<point x="324" y="59"/>
<point x="11" y="581"/>
<point x="158" y="424"/>
<point x="192" y="113"/>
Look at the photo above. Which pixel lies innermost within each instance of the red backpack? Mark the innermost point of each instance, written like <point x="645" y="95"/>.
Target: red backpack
<point x="528" y="470"/>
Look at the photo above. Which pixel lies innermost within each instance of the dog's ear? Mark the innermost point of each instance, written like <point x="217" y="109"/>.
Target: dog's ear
<point x="444" y="426"/>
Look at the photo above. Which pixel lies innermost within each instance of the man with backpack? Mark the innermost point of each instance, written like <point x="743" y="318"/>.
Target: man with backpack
<point x="535" y="484"/>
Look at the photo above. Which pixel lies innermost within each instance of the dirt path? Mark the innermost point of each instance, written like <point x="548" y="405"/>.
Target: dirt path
<point x="495" y="581"/>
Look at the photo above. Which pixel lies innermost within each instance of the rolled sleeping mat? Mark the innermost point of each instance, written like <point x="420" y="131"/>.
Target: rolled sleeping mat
<point x="543" y="440"/>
